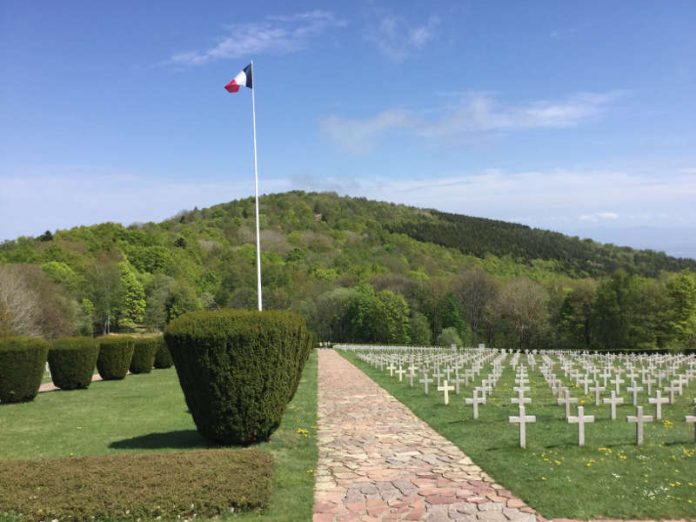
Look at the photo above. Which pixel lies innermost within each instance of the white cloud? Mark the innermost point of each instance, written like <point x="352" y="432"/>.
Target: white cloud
<point x="397" y="39"/>
<point x="599" y="216"/>
<point x="475" y="113"/>
<point x="359" y="136"/>
<point x="274" y="35"/>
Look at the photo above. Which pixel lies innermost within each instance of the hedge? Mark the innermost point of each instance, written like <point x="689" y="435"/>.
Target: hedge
<point x="144" y="351"/>
<point x="115" y="354"/>
<point x="169" y="486"/>
<point x="238" y="369"/>
<point x="72" y="361"/>
<point x="163" y="359"/>
<point x="22" y="366"/>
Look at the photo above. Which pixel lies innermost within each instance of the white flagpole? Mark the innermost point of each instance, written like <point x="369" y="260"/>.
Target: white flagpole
<point x="256" y="178"/>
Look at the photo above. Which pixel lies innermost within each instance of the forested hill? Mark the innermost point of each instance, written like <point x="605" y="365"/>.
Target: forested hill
<point x="357" y="270"/>
<point x="293" y="219"/>
<point x="576" y="257"/>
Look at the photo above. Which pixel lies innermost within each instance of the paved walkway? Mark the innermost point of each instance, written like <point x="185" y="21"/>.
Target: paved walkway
<point x="49" y="386"/>
<point x="378" y="461"/>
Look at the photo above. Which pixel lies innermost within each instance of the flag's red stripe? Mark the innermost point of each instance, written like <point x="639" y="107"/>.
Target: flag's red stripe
<point x="233" y="86"/>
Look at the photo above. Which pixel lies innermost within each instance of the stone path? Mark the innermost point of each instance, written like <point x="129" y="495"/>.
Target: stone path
<point x="49" y="386"/>
<point x="378" y="461"/>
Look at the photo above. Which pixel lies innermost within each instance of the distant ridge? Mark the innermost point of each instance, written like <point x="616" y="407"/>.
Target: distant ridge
<point x="332" y="232"/>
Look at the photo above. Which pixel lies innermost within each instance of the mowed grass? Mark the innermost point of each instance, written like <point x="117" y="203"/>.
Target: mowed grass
<point x="147" y="413"/>
<point x="609" y="477"/>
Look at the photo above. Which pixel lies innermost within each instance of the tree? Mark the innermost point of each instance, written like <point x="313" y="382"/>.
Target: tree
<point x="391" y="318"/>
<point x="19" y="304"/>
<point x="448" y="337"/>
<point x="521" y="308"/>
<point x="681" y="292"/>
<point x="574" y="319"/>
<point x="421" y="335"/>
<point x="131" y="307"/>
<point x="32" y="305"/>
<point x="105" y="290"/>
<point x="475" y="289"/>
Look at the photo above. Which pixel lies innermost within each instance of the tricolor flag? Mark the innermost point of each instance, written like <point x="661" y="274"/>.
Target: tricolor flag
<point x="243" y="79"/>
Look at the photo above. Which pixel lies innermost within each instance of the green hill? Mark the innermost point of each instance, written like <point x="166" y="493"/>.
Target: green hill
<point x="314" y="245"/>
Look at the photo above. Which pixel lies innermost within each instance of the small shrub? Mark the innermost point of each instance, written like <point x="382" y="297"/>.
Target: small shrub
<point x="144" y="352"/>
<point x="72" y="361"/>
<point x="238" y="369"/>
<point x="115" y="354"/>
<point x="163" y="359"/>
<point x="22" y="366"/>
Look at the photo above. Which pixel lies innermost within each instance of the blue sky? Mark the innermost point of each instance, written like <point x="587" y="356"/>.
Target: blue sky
<point x="574" y="116"/>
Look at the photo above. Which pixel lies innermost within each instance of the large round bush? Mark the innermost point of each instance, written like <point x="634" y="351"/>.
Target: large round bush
<point x="144" y="350"/>
<point x="163" y="359"/>
<point x="238" y="369"/>
<point x="22" y="366"/>
<point x="115" y="354"/>
<point x="72" y="361"/>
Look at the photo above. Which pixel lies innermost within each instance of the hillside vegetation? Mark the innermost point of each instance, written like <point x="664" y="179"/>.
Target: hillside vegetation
<point x="358" y="270"/>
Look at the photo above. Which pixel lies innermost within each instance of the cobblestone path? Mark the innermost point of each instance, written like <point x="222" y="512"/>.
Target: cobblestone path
<point x="378" y="461"/>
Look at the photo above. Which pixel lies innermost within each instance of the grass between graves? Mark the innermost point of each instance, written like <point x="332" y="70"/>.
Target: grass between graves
<point x="146" y="414"/>
<point x="609" y="477"/>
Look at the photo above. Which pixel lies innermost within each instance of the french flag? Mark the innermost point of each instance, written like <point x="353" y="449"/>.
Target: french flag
<point x="243" y="79"/>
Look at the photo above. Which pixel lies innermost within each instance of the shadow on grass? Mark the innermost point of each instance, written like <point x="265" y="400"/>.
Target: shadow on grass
<point x="181" y="439"/>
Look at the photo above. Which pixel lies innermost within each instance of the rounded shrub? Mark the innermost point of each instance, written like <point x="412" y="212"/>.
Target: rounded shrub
<point x="115" y="354"/>
<point x="163" y="359"/>
<point x="238" y="369"/>
<point x="22" y="366"/>
<point x="144" y="352"/>
<point x="72" y="361"/>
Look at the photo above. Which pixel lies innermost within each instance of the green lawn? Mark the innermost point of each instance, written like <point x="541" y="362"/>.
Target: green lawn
<point x="146" y="413"/>
<point x="609" y="477"/>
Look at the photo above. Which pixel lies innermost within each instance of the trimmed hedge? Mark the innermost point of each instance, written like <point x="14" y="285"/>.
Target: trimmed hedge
<point x="115" y="354"/>
<point x="169" y="485"/>
<point x="22" y="366"/>
<point x="163" y="359"/>
<point x="144" y="351"/>
<point x="72" y="361"/>
<point x="238" y="369"/>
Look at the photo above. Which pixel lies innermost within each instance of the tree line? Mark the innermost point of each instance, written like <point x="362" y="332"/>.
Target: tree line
<point x="355" y="271"/>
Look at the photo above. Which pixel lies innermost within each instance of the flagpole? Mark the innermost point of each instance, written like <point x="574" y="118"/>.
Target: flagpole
<point x="256" y="179"/>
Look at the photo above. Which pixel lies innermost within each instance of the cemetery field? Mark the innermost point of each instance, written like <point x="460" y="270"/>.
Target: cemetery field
<point x="609" y="477"/>
<point x="147" y="414"/>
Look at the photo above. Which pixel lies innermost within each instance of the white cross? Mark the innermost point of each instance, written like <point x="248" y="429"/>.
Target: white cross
<point x="597" y="389"/>
<point x="613" y="402"/>
<point x="580" y="419"/>
<point x="585" y="381"/>
<point x="425" y="381"/>
<point x="618" y="381"/>
<point x="445" y="388"/>
<point x="649" y="381"/>
<point x="391" y="369"/>
<point x="634" y="389"/>
<point x="658" y="401"/>
<point x="522" y="420"/>
<point x="567" y="400"/>
<point x="401" y="373"/>
<point x="671" y="390"/>
<point x="475" y="401"/>
<point x="691" y="419"/>
<point x="639" y="419"/>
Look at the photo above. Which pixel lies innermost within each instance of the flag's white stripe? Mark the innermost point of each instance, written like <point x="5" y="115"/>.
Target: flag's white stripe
<point x="241" y="79"/>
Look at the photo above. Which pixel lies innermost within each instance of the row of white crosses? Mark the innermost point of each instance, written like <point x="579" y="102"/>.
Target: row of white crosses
<point x="441" y="364"/>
